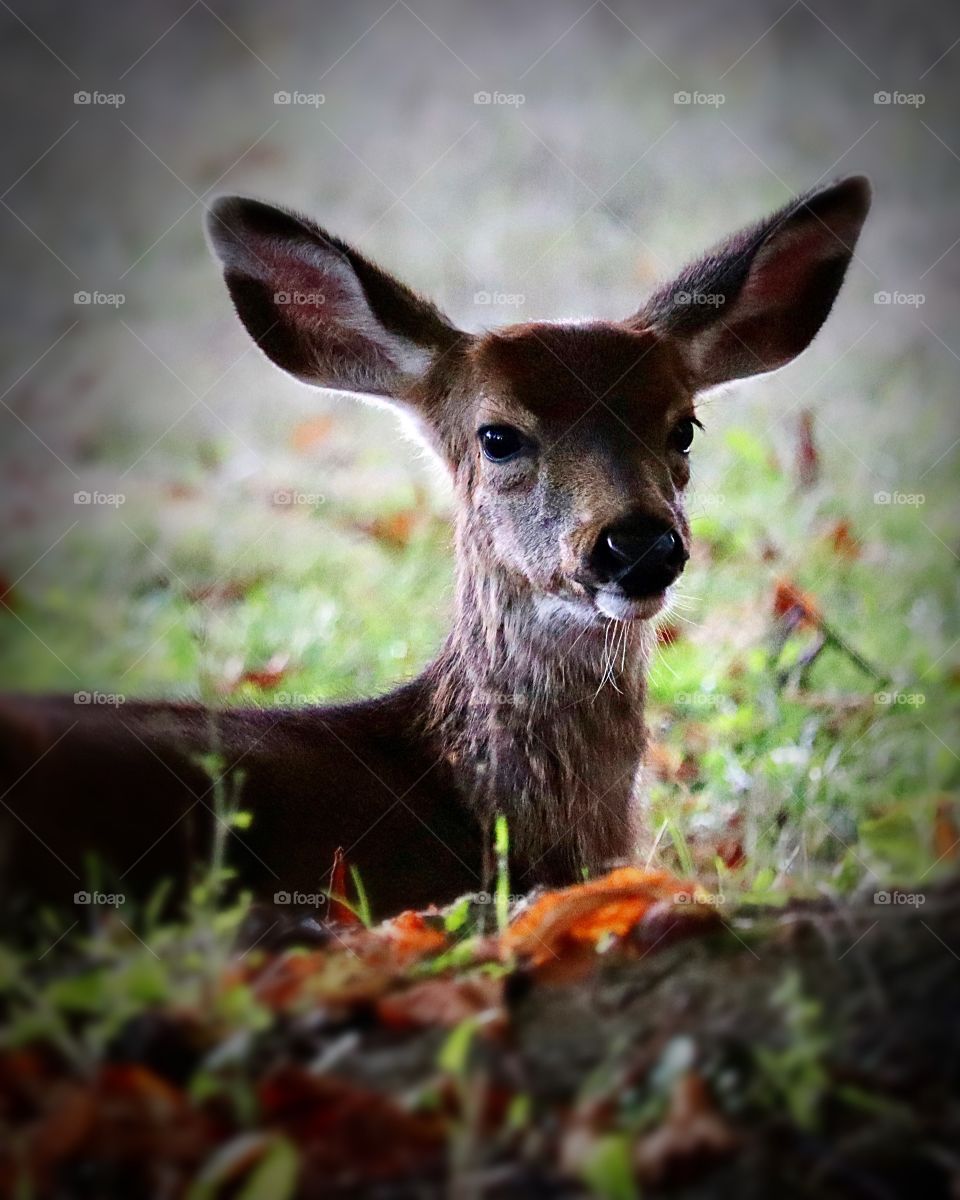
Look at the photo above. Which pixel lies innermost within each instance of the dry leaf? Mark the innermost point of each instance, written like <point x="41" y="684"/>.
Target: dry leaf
<point x="307" y="435"/>
<point x="692" y="1132"/>
<point x="946" y="834"/>
<point x="807" y="457"/>
<point x="269" y="675"/>
<point x="411" y="938"/>
<point x="578" y="917"/>
<point x="794" y="605"/>
<point x="442" y="1002"/>
<point x="841" y="537"/>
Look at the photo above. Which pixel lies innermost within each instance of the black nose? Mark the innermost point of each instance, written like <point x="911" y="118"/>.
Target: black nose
<point x="641" y="554"/>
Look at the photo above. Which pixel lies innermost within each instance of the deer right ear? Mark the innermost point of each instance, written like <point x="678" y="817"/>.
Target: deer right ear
<point x="757" y="300"/>
<point x="318" y="308"/>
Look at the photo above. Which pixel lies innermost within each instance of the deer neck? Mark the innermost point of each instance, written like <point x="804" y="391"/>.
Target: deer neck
<point x="539" y="711"/>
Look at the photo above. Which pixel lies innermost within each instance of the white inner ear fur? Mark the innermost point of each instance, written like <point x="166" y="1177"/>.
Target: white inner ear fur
<point x="352" y="311"/>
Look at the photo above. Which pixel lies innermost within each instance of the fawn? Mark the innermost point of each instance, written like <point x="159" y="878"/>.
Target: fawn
<point x="567" y="445"/>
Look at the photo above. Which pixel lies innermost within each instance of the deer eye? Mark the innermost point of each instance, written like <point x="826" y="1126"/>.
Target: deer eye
<point x="500" y="443"/>
<point x="681" y="438"/>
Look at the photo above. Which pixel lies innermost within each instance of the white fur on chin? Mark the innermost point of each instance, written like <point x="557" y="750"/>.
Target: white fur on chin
<point x="621" y="608"/>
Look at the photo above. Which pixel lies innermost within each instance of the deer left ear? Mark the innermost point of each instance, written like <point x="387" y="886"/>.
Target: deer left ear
<point x="756" y="301"/>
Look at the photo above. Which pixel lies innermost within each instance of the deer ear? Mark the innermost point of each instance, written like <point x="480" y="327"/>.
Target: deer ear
<point x="318" y="308"/>
<point x="756" y="301"/>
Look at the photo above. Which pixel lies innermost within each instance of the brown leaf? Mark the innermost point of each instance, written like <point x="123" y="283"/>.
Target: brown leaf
<point x="269" y="675"/>
<point x="793" y="605"/>
<point x="845" y="544"/>
<point x="442" y="1002"/>
<point x="946" y="833"/>
<point x="394" y="530"/>
<point x="807" y="457"/>
<point x="339" y="912"/>
<point x="348" y="1133"/>
<point x="665" y="761"/>
<point x="693" y="1132"/>
<point x="7" y="595"/>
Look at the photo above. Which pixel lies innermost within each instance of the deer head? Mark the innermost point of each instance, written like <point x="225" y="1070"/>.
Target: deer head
<point x="567" y="443"/>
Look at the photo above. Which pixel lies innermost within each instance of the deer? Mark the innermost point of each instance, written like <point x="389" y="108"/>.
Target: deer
<point x="567" y="445"/>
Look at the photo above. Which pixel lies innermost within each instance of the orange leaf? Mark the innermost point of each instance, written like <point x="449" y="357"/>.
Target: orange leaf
<point x="311" y="433"/>
<point x="845" y="544"/>
<point x="395" y="530"/>
<point x="411" y="937"/>
<point x="580" y="916"/>
<point x="790" y="602"/>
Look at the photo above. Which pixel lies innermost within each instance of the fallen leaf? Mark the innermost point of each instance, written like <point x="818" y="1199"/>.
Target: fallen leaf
<point x="394" y="530"/>
<point x="693" y="1132"/>
<point x="411" y="938"/>
<point x="793" y="605"/>
<point x="348" y="1133"/>
<point x="668" y="633"/>
<point x="307" y="435"/>
<point x="806" y="457"/>
<point x="442" y="1002"/>
<point x="845" y="544"/>
<point x="7" y="597"/>
<point x="578" y="917"/>
<point x="269" y="675"/>
<point x="665" y="761"/>
<point x="946" y="833"/>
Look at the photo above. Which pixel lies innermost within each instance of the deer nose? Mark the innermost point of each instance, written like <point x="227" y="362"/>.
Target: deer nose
<point x="642" y="555"/>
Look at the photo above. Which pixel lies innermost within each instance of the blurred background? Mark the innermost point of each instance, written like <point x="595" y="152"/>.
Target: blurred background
<point x="181" y="519"/>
